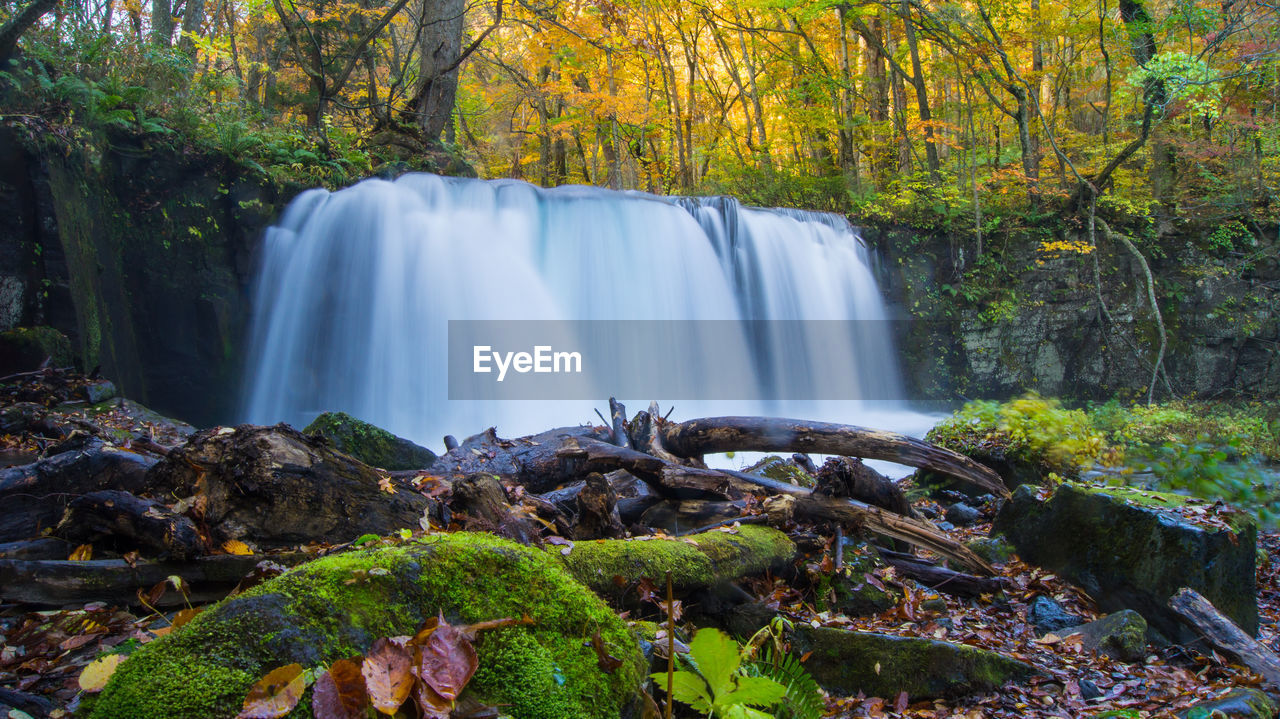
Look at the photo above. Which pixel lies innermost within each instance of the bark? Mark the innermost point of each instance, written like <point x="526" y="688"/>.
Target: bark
<point x="922" y="91"/>
<point x="480" y="504"/>
<point x="941" y="579"/>
<point x="1224" y="636"/>
<point x="598" y="510"/>
<point x="764" y="434"/>
<point x="19" y="24"/>
<point x="849" y="477"/>
<point x="131" y="523"/>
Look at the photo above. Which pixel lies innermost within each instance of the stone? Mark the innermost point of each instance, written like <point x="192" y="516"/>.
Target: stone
<point x="853" y="589"/>
<point x="369" y="443"/>
<point x="98" y="391"/>
<point x="1242" y="703"/>
<point x="847" y="662"/>
<point x="1089" y="690"/>
<point x="25" y="348"/>
<point x="316" y="614"/>
<point x="1122" y="635"/>
<point x="1046" y="616"/>
<point x="934" y="604"/>
<point x="995" y="550"/>
<point x="1127" y="552"/>
<point x="962" y="515"/>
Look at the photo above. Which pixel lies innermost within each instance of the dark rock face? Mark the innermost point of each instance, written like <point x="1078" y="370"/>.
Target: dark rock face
<point x="848" y="662"/>
<point x="141" y="254"/>
<point x="369" y="443"/>
<point x="24" y="348"/>
<point x="1047" y="616"/>
<point x="1221" y="318"/>
<point x="1244" y="703"/>
<point x="1128" y="555"/>
<point x="277" y="487"/>
<point x="962" y="515"/>
<point x="1122" y="635"/>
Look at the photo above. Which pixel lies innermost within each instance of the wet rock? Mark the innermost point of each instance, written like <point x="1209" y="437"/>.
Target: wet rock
<point x="962" y="515"/>
<point x="97" y="391"/>
<point x="276" y="487"/>
<point x="946" y="526"/>
<point x="1047" y="616"/>
<point x="1244" y="703"/>
<point x="1129" y="552"/>
<point x="934" y="604"/>
<point x="854" y="590"/>
<point x="369" y="443"/>
<point x="316" y="614"/>
<point x="1122" y="635"/>
<point x="848" y="662"/>
<point x="1089" y="690"/>
<point x="996" y="550"/>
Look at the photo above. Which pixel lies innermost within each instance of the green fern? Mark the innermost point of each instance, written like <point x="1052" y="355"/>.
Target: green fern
<point x="803" y="699"/>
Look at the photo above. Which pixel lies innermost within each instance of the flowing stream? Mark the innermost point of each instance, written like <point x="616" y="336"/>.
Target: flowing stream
<point x="356" y="289"/>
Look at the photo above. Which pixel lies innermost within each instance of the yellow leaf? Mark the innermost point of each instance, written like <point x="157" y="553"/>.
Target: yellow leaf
<point x="235" y="546"/>
<point x="95" y="676"/>
<point x="82" y="553"/>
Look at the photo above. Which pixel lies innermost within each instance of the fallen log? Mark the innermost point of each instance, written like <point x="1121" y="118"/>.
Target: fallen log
<point x="140" y="523"/>
<point x="1224" y="635"/>
<point x="941" y="579"/>
<point x="598" y="510"/>
<point x="618" y="417"/>
<point x="63" y="582"/>
<point x="697" y="437"/>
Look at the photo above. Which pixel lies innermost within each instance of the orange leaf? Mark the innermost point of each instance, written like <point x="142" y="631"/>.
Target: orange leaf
<point x="340" y="692"/>
<point x="387" y="674"/>
<point x="236" y="547"/>
<point x="433" y="705"/>
<point x="82" y="553"/>
<point x="276" y="694"/>
<point x="185" y="616"/>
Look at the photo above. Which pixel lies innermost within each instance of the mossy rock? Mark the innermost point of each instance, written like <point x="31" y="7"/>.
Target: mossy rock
<point x="847" y="591"/>
<point x="25" y="348"/>
<point x="369" y="443"/>
<point x="1242" y="703"/>
<point x="316" y="614"/>
<point x="1122" y="635"/>
<point x="848" y="662"/>
<point x="1128" y="551"/>
<point x="696" y="562"/>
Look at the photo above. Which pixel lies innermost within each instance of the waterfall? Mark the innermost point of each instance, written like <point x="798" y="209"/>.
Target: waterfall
<point x="357" y="287"/>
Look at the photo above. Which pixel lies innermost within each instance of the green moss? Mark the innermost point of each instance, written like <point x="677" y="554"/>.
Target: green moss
<point x="336" y="607"/>
<point x="698" y="560"/>
<point x="1237" y="521"/>
<point x="369" y="443"/>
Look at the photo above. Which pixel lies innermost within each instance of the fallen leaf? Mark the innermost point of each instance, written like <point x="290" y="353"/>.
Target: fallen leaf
<point x="340" y="692"/>
<point x="606" y="661"/>
<point x="433" y="705"/>
<point x="387" y="674"/>
<point x="82" y="553"/>
<point x="447" y="660"/>
<point x="185" y="616"/>
<point x="276" y="694"/>
<point x="236" y="547"/>
<point x="95" y="676"/>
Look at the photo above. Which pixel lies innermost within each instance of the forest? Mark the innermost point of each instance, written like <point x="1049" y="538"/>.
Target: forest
<point x="954" y="114"/>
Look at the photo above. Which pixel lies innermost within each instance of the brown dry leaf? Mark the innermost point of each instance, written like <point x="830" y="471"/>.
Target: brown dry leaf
<point x="236" y="547"/>
<point x="607" y="662"/>
<point x="131" y="558"/>
<point x="447" y="660"/>
<point x="384" y="483"/>
<point x="153" y="595"/>
<point x="433" y="705"/>
<point x="82" y="553"/>
<point x="340" y="692"/>
<point x="95" y="676"/>
<point x="276" y="694"/>
<point x="387" y="674"/>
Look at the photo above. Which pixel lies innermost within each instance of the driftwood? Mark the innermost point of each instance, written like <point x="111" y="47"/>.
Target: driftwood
<point x="618" y="418"/>
<point x="139" y="523"/>
<point x="697" y="437"/>
<point x="849" y="477"/>
<point x="276" y="487"/>
<point x="34" y="496"/>
<point x="691" y="515"/>
<point x="62" y="582"/>
<point x="942" y="579"/>
<point x="481" y="504"/>
<point x="598" y="510"/>
<point x="1224" y="635"/>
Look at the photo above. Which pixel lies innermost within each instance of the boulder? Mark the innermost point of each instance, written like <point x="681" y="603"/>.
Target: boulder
<point x="847" y="662"/>
<point x="962" y="515"/>
<point x="995" y="550"/>
<point x="276" y="487"/>
<point x="26" y="348"/>
<point x="853" y="590"/>
<point x="1122" y="635"/>
<point x="369" y="443"/>
<point x="1128" y="551"/>
<point x="338" y="606"/>
<point x="1243" y="703"/>
<point x="1047" y="616"/>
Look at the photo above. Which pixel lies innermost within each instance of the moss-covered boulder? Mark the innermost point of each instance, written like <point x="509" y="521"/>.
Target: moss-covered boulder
<point x="1128" y="551"/>
<point x="25" y="348"/>
<point x="853" y="589"/>
<point x="696" y="562"/>
<point x="369" y="443"/>
<point x="848" y="662"/>
<point x="1243" y="703"/>
<point x="337" y="606"/>
<point x="1122" y="635"/>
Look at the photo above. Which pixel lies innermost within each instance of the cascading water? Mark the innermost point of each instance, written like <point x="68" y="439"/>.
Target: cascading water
<point x="357" y="286"/>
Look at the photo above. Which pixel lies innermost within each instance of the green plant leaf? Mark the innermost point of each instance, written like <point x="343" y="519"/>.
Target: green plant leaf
<point x="755" y="691"/>
<point x="717" y="658"/>
<point x="686" y="687"/>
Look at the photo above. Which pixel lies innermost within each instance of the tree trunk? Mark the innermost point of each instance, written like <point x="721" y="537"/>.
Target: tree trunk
<point x="19" y="24"/>
<point x="439" y="49"/>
